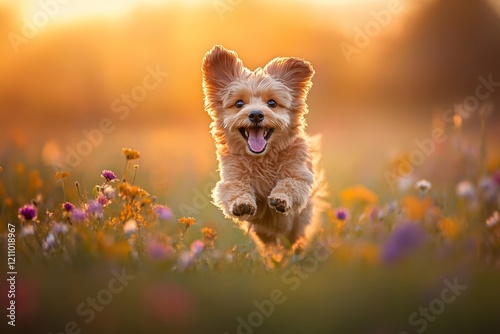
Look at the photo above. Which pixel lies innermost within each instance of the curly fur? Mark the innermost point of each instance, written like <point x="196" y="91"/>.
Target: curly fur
<point x="277" y="194"/>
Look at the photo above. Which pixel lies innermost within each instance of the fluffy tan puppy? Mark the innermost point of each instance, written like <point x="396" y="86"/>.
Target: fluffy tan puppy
<point x="269" y="181"/>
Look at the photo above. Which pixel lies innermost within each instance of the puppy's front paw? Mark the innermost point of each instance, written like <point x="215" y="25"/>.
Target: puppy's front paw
<point x="243" y="209"/>
<point x="279" y="203"/>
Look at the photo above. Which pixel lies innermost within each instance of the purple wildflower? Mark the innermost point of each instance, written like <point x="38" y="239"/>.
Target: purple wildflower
<point x="95" y="209"/>
<point x="27" y="212"/>
<point x="163" y="212"/>
<point x="403" y="240"/>
<point x="49" y="242"/>
<point x="184" y="260"/>
<point x="109" y="192"/>
<point x="159" y="251"/>
<point x="496" y="177"/>
<point x="108" y="175"/>
<point x="197" y="247"/>
<point x="78" y="215"/>
<point x="27" y="230"/>
<point x="488" y="188"/>
<point x="101" y="199"/>
<point x="60" y="228"/>
<point x="68" y="207"/>
<point x="342" y="214"/>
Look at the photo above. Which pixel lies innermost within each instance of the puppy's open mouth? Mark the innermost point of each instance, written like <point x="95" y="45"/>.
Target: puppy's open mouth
<point x="256" y="137"/>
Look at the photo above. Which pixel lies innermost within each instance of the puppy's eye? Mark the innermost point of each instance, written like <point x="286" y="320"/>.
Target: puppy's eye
<point x="272" y="103"/>
<point x="239" y="104"/>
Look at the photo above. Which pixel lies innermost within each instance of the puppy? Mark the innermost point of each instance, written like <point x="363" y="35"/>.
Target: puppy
<point x="269" y="181"/>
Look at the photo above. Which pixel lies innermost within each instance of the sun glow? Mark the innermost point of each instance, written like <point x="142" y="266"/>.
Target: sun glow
<point x="66" y="10"/>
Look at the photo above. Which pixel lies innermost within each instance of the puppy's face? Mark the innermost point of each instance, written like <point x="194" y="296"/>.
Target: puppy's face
<point x="259" y="109"/>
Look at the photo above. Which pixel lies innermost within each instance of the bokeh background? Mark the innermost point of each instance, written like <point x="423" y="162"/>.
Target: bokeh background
<point x="369" y="108"/>
<point x="63" y="66"/>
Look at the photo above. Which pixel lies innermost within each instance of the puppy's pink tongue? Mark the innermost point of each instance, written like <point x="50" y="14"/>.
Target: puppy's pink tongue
<point x="256" y="139"/>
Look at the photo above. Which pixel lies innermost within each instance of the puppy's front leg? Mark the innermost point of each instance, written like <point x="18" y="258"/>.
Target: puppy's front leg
<point x="235" y="198"/>
<point x="290" y="196"/>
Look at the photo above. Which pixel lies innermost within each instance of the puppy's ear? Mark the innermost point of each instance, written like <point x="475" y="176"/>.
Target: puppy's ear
<point x="220" y="67"/>
<point x="295" y="73"/>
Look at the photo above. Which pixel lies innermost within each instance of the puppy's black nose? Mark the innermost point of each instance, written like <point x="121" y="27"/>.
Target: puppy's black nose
<point x="256" y="116"/>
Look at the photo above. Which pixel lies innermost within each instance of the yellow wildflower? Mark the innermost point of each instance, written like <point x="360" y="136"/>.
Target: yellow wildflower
<point x="209" y="234"/>
<point x="62" y="175"/>
<point x="35" y="181"/>
<point x="357" y="195"/>
<point x="128" y="190"/>
<point x="187" y="221"/>
<point x="450" y="227"/>
<point x="131" y="154"/>
<point x="416" y="208"/>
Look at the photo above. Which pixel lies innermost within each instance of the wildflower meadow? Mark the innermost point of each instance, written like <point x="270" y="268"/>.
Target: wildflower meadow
<point x="107" y="166"/>
<point x="111" y="258"/>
